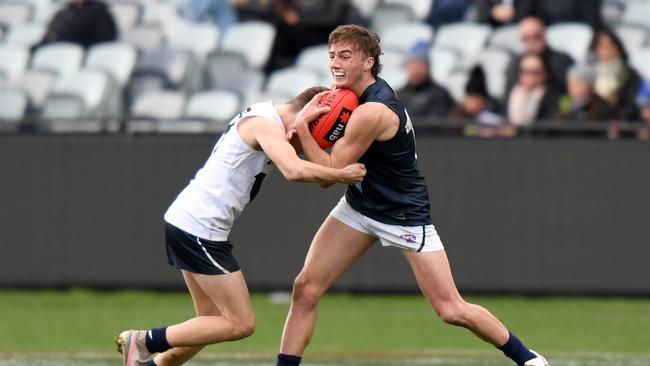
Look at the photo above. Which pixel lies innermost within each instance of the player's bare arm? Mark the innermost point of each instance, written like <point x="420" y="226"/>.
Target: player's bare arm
<point x="369" y="122"/>
<point x="260" y="133"/>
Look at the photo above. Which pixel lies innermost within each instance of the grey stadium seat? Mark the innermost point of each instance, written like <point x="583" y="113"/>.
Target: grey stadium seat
<point x="214" y="105"/>
<point x="159" y="69"/>
<point x="199" y="38"/>
<point x="419" y="9"/>
<point x="291" y="81"/>
<point x="403" y="36"/>
<point x="151" y="107"/>
<point x="443" y="62"/>
<point x="386" y="15"/>
<point x="640" y="60"/>
<point x="13" y="105"/>
<point x="634" y="37"/>
<point x="573" y="38"/>
<point x="495" y="63"/>
<point x="78" y="95"/>
<point x="145" y="37"/>
<point x="467" y="38"/>
<point x="116" y="58"/>
<point x="636" y="13"/>
<point x="36" y="84"/>
<point x="508" y="38"/>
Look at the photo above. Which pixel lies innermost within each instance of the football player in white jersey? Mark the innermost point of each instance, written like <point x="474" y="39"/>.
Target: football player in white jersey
<point x="198" y="224"/>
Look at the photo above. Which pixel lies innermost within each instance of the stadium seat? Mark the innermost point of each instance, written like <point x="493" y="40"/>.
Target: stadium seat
<point x="13" y="13"/>
<point x="633" y="37"/>
<point x="145" y="37"/>
<point x="25" y="34"/>
<point x="13" y="105"/>
<point x="387" y="15"/>
<point x="44" y="10"/>
<point x="36" y="84"/>
<point x="161" y="104"/>
<point x="397" y="78"/>
<point x="199" y="38"/>
<point x="393" y="59"/>
<point x="148" y="109"/>
<point x="229" y="70"/>
<point x="163" y="14"/>
<point x="126" y="14"/>
<point x="495" y="64"/>
<point x="419" y="9"/>
<point x="455" y="84"/>
<point x="467" y="38"/>
<point x="315" y="58"/>
<point x="442" y="62"/>
<point x="13" y="62"/>
<point x="253" y="39"/>
<point x="640" y="60"/>
<point x="573" y="38"/>
<point x="508" y="38"/>
<point x="76" y="96"/>
<point x="159" y="69"/>
<point x="115" y="58"/>
<point x="291" y="81"/>
<point x="402" y="37"/>
<point x="61" y="58"/>
<point x="636" y="13"/>
<point x="365" y="7"/>
<point x="201" y="107"/>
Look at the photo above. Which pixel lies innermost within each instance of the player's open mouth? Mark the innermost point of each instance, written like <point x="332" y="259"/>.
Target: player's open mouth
<point x="338" y="74"/>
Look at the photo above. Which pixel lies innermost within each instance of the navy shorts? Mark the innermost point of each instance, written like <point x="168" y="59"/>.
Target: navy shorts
<point x="193" y="254"/>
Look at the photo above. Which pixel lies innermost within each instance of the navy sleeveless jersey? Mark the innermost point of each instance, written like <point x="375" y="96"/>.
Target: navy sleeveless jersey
<point x="393" y="191"/>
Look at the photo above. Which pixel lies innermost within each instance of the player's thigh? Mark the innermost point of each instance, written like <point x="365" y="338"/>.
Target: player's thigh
<point x="229" y="292"/>
<point x="433" y="274"/>
<point x="203" y="304"/>
<point x="335" y="247"/>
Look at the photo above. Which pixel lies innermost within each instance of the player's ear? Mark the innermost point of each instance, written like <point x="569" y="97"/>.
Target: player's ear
<point x="368" y="63"/>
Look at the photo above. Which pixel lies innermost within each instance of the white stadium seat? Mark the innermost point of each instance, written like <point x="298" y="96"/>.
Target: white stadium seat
<point x="387" y="15"/>
<point x="403" y="36"/>
<point x="159" y="104"/>
<point x="291" y="81"/>
<point x="36" y="84"/>
<point x="115" y="58"/>
<point x="365" y="7"/>
<point x="253" y="39"/>
<point x="126" y="14"/>
<point x="636" y="13"/>
<point x="508" y="38"/>
<point x="420" y="9"/>
<point x="215" y="105"/>
<point x="146" y="37"/>
<point x="315" y="58"/>
<point x="61" y="58"/>
<point x="199" y="38"/>
<point x="442" y="62"/>
<point x="633" y="37"/>
<point x="76" y="96"/>
<point x="640" y="61"/>
<point x="13" y="105"/>
<point x="455" y="84"/>
<point x="397" y="78"/>
<point x="25" y="34"/>
<point x="467" y="38"/>
<point x="13" y="13"/>
<point x="573" y="38"/>
<point x="13" y="62"/>
<point x="495" y="64"/>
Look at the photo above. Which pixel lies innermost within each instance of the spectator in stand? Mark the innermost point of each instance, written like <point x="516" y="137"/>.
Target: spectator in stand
<point x="534" y="97"/>
<point x="422" y="96"/>
<point x="581" y="103"/>
<point x="478" y="106"/>
<point x="447" y="11"/>
<point x="616" y="82"/>
<point x="85" y="22"/>
<point x="643" y="102"/>
<point x="533" y="36"/>
<point x="221" y="12"/>
<point x="559" y="11"/>
<point x="499" y="12"/>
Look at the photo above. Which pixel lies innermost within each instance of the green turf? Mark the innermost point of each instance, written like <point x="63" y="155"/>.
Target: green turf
<point x="51" y="326"/>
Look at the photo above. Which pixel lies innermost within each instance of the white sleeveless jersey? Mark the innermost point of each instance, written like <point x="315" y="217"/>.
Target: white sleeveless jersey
<point x="230" y="179"/>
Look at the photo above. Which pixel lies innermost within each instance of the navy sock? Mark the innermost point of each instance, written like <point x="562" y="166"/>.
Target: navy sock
<point x="288" y="360"/>
<point x="157" y="340"/>
<point x="516" y="350"/>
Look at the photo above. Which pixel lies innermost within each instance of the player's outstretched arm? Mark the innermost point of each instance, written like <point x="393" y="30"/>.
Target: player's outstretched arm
<point x="271" y="138"/>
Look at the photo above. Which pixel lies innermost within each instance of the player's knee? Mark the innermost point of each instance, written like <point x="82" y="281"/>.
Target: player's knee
<point x="243" y="329"/>
<point x="453" y="314"/>
<point x="305" y="291"/>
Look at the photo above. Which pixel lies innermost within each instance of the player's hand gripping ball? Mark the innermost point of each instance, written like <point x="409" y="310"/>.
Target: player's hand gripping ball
<point x="330" y="126"/>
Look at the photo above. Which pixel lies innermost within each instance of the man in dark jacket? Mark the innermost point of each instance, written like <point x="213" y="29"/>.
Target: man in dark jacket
<point x="533" y="36"/>
<point x="85" y="22"/>
<point x="422" y="96"/>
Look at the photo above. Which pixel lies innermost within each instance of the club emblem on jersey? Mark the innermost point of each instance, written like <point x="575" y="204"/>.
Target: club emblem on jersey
<point x="410" y="238"/>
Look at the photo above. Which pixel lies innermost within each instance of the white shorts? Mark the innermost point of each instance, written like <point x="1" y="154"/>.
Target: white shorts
<point x="423" y="238"/>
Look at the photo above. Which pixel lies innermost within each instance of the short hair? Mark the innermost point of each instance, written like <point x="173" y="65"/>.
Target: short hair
<point x="363" y="39"/>
<point x="301" y="100"/>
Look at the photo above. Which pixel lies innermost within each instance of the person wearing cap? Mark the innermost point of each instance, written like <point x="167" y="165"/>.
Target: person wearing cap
<point x="478" y="106"/>
<point x="422" y="96"/>
<point x="581" y="103"/>
<point x="643" y="102"/>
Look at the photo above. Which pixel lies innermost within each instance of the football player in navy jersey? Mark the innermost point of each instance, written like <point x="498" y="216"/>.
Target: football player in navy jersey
<point x="390" y="205"/>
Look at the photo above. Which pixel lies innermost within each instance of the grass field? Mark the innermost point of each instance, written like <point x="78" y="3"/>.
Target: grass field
<point x="53" y="328"/>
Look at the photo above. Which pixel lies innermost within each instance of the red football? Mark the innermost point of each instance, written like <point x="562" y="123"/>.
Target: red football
<point x="330" y="126"/>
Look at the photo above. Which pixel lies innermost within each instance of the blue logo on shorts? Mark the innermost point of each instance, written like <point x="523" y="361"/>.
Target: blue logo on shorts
<point x="410" y="238"/>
